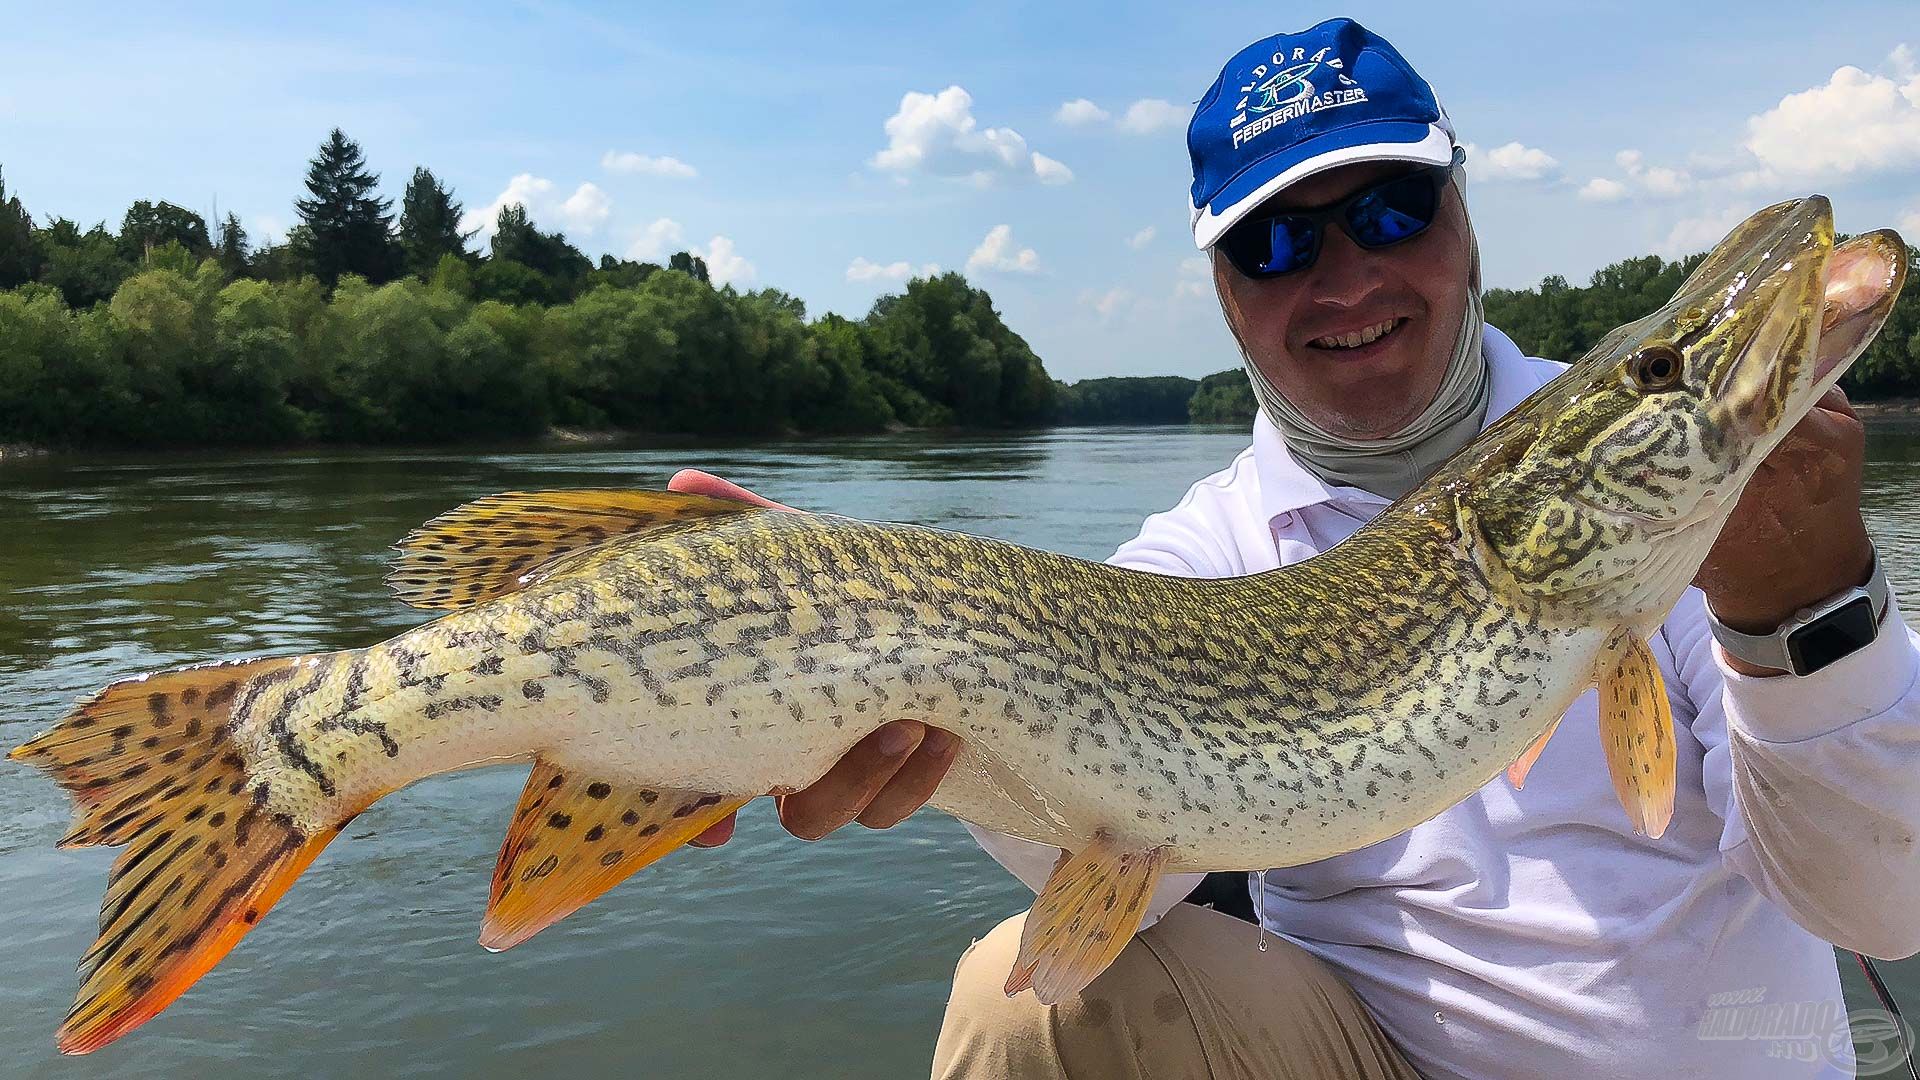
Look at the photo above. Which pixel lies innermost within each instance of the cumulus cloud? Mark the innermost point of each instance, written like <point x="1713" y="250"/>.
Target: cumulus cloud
<point x="1079" y="113"/>
<point x="1512" y="162"/>
<point x="626" y="161"/>
<point x="864" y="269"/>
<point x="1856" y="123"/>
<point x="1194" y="280"/>
<point x="586" y="209"/>
<point x="1692" y="235"/>
<point x="1107" y="304"/>
<point x="659" y="239"/>
<point x="1148" y="115"/>
<point x="1141" y="239"/>
<point x="1601" y="189"/>
<point x="1910" y="226"/>
<point x="724" y="264"/>
<point x="998" y="252"/>
<point x="524" y="190"/>
<point x="937" y="135"/>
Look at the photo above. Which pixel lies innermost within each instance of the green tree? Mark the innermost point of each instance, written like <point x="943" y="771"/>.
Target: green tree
<point x="429" y="225"/>
<point x="348" y="229"/>
<point x="1224" y="397"/>
<point x="515" y="239"/>
<point x="232" y="250"/>
<point x="150" y="225"/>
<point x="1157" y="399"/>
<point x="689" y="264"/>
<point x="19" y="248"/>
<point x="85" y="267"/>
<point x="943" y="338"/>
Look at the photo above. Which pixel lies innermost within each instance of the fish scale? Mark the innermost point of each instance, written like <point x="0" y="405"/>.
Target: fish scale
<point x="663" y="659"/>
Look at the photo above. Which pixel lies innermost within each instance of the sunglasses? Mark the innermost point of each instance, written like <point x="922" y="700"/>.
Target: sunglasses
<point x="1398" y="208"/>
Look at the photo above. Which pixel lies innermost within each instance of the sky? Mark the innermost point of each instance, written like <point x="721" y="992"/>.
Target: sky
<point x="833" y="150"/>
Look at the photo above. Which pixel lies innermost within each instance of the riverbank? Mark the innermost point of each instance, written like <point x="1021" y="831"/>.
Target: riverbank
<point x="1888" y="409"/>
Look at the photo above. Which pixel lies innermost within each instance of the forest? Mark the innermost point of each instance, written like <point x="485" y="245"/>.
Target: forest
<point x="367" y="325"/>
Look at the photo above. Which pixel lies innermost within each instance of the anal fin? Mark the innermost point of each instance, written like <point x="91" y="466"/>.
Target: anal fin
<point x="1517" y="772"/>
<point x="574" y="836"/>
<point x="1636" y="728"/>
<point x="1084" y="917"/>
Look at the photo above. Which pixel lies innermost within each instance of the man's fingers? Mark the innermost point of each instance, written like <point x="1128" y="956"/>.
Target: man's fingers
<point x="695" y="482"/>
<point x="915" y="781"/>
<point x="838" y="797"/>
<point x="718" y="833"/>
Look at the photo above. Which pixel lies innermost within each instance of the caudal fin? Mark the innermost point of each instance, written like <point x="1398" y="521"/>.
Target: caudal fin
<point x="152" y="763"/>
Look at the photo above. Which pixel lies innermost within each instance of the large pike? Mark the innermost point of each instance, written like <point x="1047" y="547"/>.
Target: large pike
<point x="663" y="659"/>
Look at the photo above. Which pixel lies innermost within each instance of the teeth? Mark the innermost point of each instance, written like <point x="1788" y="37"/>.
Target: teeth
<point x="1357" y="338"/>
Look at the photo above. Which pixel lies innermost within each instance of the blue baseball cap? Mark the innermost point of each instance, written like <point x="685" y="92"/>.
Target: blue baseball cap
<point x="1292" y="105"/>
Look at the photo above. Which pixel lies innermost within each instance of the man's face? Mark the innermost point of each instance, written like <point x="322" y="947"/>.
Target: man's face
<point x="1293" y="326"/>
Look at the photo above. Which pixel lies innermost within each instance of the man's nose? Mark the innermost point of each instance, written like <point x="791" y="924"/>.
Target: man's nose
<point x="1345" y="274"/>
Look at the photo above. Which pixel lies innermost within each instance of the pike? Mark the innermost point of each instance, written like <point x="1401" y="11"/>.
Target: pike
<point x="664" y="659"/>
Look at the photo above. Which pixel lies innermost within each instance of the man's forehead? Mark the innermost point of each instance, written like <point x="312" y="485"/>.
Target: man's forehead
<point x="1332" y="185"/>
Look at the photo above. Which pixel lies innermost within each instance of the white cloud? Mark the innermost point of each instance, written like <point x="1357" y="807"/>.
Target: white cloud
<point x="864" y="269"/>
<point x="658" y="240"/>
<point x="1080" y="112"/>
<point x="1148" y="115"/>
<point x="1107" y="304"/>
<point x="522" y="190"/>
<point x="1856" y="123"/>
<point x="937" y="135"/>
<point x="1195" y="279"/>
<point x="1050" y="171"/>
<point x="1696" y="234"/>
<point x="998" y="252"/>
<point x="1910" y="226"/>
<point x="266" y="229"/>
<point x="1141" y="239"/>
<point x="586" y="209"/>
<point x="1601" y="189"/>
<point x="1512" y="162"/>
<point x="626" y="161"/>
<point x="1904" y="61"/>
<point x="724" y="265"/>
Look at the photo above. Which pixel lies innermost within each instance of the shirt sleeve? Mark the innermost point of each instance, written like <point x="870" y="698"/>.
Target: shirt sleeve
<point x="1818" y="781"/>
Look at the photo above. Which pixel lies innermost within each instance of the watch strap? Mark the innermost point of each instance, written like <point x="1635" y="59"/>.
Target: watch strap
<point x="1770" y="649"/>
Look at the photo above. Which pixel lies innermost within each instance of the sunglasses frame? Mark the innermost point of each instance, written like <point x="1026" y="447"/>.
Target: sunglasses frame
<point x="1336" y="214"/>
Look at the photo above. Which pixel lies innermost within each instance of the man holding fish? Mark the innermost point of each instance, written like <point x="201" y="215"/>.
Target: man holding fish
<point x="1526" y="931"/>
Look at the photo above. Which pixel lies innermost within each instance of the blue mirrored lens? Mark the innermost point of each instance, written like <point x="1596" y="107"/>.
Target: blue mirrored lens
<point x="1393" y="211"/>
<point x="1290" y="246"/>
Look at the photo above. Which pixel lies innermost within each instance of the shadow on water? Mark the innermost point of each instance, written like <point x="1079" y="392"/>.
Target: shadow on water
<point x="767" y="957"/>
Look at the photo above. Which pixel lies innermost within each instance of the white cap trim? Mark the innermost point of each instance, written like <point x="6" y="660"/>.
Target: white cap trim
<point x="1435" y="149"/>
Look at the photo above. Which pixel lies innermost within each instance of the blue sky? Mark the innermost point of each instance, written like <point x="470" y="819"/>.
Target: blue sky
<point x="782" y="142"/>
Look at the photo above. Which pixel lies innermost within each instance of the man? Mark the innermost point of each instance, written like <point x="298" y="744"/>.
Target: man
<point x="1519" y="933"/>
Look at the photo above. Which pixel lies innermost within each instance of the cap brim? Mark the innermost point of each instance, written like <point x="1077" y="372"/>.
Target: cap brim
<point x="1380" y="140"/>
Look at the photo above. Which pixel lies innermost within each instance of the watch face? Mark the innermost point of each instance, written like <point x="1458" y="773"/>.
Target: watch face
<point x="1836" y="634"/>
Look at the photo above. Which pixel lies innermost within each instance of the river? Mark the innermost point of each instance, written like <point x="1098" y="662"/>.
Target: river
<point x="767" y="957"/>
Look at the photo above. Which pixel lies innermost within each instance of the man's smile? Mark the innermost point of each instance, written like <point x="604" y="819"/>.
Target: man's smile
<point x="1364" y="340"/>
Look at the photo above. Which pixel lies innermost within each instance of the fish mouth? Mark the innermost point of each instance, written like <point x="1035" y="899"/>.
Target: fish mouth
<point x="1864" y="278"/>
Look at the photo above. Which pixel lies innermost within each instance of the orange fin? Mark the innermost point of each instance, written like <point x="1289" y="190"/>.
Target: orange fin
<point x="151" y="763"/>
<point x="1636" y="728"/>
<point x="575" y="836"/>
<point x="499" y="544"/>
<point x="1083" y="918"/>
<point x="1517" y="772"/>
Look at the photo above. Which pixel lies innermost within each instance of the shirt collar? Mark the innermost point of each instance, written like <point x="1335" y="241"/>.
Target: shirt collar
<point x="1285" y="486"/>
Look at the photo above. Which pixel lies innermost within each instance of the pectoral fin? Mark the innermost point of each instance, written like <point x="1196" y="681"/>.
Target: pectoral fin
<point x="574" y="836"/>
<point x="1636" y="728"/>
<point x="1083" y="918"/>
<point x="1517" y="772"/>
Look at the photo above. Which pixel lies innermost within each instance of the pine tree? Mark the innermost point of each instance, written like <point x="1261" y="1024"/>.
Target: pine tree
<point x="232" y="251"/>
<point x="429" y="225"/>
<point x="349" y="231"/>
<point x="19" y="248"/>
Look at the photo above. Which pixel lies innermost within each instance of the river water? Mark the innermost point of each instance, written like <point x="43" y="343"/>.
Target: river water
<point x="767" y="957"/>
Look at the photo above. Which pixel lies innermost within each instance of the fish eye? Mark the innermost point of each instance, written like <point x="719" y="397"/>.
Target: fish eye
<point x="1655" y="368"/>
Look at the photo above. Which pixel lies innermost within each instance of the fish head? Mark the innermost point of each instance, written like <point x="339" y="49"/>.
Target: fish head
<point x="1600" y="495"/>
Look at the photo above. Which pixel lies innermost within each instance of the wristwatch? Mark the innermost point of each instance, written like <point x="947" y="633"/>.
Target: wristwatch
<point x="1816" y="636"/>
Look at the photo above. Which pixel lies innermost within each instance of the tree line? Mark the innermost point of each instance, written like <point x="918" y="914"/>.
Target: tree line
<point x="361" y="327"/>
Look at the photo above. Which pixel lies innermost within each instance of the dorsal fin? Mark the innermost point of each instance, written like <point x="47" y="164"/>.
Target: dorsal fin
<point x="493" y="546"/>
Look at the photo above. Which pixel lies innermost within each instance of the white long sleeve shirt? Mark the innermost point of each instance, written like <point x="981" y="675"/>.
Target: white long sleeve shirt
<point x="1531" y="933"/>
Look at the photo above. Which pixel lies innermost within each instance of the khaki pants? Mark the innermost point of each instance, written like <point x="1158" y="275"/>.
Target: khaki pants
<point x="1192" y="998"/>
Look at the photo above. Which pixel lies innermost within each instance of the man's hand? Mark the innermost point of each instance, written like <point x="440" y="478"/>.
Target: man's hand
<point x="884" y="778"/>
<point x="1796" y="536"/>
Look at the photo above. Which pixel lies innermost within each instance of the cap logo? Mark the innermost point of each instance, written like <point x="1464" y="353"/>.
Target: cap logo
<point x="1273" y="98"/>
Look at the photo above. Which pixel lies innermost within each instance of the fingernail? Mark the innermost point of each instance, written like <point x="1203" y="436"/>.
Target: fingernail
<point x="940" y="742"/>
<point x="898" y="740"/>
